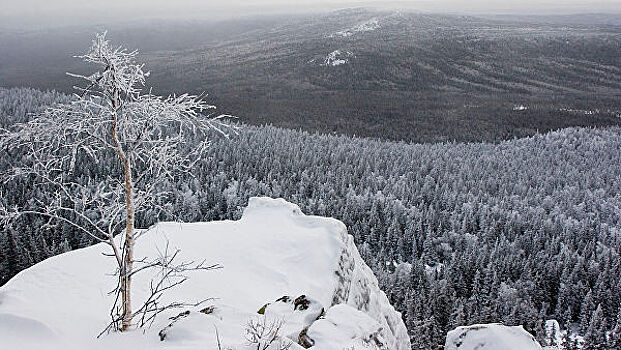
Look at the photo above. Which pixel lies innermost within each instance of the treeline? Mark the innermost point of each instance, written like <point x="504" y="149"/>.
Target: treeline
<point x="517" y="232"/>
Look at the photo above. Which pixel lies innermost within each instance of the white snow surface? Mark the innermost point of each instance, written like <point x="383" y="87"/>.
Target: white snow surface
<point x="337" y="58"/>
<point x="368" y="26"/>
<point x="490" y="337"/>
<point x="347" y="328"/>
<point x="274" y="250"/>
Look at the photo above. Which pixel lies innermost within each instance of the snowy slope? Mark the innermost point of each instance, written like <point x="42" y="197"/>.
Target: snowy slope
<point x="368" y="26"/>
<point x="274" y="252"/>
<point x="337" y="58"/>
<point x="490" y="337"/>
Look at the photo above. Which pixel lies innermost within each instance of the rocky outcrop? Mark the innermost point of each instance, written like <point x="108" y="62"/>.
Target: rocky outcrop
<point x="286" y="277"/>
<point x="355" y="284"/>
<point x="490" y="337"/>
<point x="359" y="288"/>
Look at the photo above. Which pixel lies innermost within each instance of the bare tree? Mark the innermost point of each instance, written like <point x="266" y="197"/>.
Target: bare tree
<point x="265" y="333"/>
<point x="111" y="118"/>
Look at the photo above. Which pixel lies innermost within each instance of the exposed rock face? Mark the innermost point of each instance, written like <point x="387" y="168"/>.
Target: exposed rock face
<point x="379" y="325"/>
<point x="490" y="337"/>
<point x="301" y="274"/>
<point x="359" y="288"/>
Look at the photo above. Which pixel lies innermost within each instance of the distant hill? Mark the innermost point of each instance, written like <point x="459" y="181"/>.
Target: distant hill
<point x="402" y="76"/>
<point x="611" y="19"/>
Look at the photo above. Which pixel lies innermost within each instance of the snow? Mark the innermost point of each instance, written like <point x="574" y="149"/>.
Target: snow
<point x="368" y="26"/>
<point x="273" y="251"/>
<point x="580" y="111"/>
<point x="435" y="269"/>
<point x="553" y="331"/>
<point x="490" y="337"/>
<point x="346" y="328"/>
<point x="553" y="326"/>
<point x="337" y="58"/>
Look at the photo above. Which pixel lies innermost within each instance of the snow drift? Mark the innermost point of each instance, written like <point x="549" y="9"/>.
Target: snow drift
<point x="490" y="337"/>
<point x="279" y="267"/>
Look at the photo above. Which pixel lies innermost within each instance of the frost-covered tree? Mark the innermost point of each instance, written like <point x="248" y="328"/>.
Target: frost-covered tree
<point x="587" y="308"/>
<point x="595" y="337"/>
<point x="614" y="338"/>
<point x="107" y="156"/>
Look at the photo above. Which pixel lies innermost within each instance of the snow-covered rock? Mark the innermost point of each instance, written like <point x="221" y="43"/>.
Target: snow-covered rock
<point x="280" y="267"/>
<point x="337" y="58"/>
<point x="553" y="331"/>
<point x="344" y="327"/>
<point x="490" y="337"/>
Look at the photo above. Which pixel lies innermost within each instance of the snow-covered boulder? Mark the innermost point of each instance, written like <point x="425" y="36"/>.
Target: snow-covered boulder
<point x="337" y="58"/>
<point x="344" y="327"/>
<point x="280" y="267"/>
<point x="490" y="337"/>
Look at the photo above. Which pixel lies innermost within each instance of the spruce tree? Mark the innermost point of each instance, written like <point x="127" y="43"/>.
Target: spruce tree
<point x="586" y="311"/>
<point x="595" y="336"/>
<point x="614" y="338"/>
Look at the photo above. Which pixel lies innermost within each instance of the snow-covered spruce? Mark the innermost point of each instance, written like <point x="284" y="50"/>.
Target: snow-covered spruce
<point x="282" y="270"/>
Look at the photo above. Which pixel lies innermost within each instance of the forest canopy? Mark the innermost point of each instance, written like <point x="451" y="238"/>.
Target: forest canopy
<point x="518" y="232"/>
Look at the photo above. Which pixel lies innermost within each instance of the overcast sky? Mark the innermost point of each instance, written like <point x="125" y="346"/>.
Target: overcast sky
<point x="60" y="12"/>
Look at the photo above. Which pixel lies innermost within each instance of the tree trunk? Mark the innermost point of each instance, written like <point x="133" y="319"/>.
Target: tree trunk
<point x="129" y="248"/>
<point x="127" y="265"/>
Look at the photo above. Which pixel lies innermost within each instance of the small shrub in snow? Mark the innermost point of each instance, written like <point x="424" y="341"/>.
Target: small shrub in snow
<point x="264" y="334"/>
